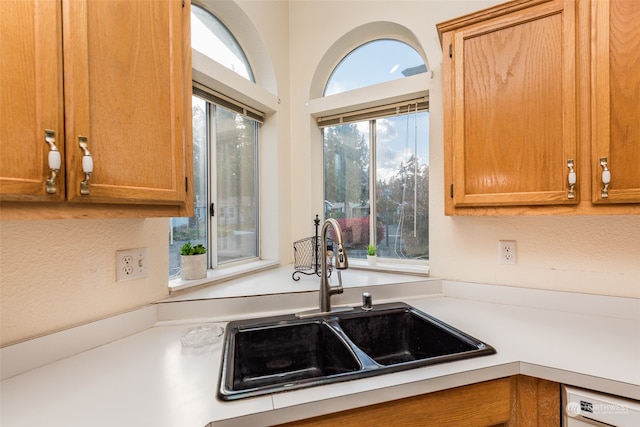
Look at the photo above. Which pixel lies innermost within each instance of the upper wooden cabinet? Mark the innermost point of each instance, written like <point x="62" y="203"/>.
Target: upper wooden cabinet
<point x="616" y="100"/>
<point x="112" y="82"/>
<point x="513" y="107"/>
<point x="520" y="82"/>
<point x="30" y="98"/>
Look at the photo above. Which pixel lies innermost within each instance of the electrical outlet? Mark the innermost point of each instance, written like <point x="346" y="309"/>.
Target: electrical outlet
<point x="507" y="251"/>
<point x="132" y="264"/>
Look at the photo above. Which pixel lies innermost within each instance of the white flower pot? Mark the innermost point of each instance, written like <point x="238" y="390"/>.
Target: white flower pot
<point x="371" y="259"/>
<point x="193" y="267"/>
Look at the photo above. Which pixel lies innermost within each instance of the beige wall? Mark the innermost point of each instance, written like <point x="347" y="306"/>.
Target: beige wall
<point x="68" y="277"/>
<point x="57" y="274"/>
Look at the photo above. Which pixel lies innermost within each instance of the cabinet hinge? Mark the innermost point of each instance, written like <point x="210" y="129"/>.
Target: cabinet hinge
<point x="450" y="50"/>
<point x="186" y="184"/>
<point x="212" y="209"/>
<point x="451" y="191"/>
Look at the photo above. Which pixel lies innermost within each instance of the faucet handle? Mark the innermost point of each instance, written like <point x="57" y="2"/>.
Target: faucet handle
<point x="333" y="290"/>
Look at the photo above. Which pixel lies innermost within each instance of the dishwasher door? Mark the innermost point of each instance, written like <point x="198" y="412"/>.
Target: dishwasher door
<point x="585" y="408"/>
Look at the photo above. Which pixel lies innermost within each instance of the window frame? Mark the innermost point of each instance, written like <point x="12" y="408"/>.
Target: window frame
<point x="223" y="90"/>
<point x="211" y="179"/>
<point x="374" y="96"/>
<point x="372" y="121"/>
<point x="214" y="197"/>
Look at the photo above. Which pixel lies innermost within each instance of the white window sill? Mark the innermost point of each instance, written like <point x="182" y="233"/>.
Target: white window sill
<point x="390" y="265"/>
<point x="221" y="275"/>
<point x="177" y="286"/>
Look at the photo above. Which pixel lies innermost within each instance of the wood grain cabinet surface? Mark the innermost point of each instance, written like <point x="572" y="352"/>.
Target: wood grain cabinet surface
<point x="616" y="100"/>
<point x="116" y="74"/>
<point x="532" y="106"/>
<point x="518" y="401"/>
<point x="31" y="98"/>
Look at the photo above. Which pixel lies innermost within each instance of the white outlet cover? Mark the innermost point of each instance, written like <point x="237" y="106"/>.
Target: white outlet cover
<point x="132" y="264"/>
<point x="507" y="252"/>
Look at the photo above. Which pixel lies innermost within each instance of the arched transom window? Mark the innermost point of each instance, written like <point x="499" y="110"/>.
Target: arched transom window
<point x="213" y="38"/>
<point x="375" y="62"/>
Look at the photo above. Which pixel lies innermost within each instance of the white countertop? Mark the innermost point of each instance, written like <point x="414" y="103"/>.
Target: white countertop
<point x="149" y="379"/>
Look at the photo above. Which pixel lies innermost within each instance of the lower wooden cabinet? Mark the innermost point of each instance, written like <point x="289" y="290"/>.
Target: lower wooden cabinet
<point x="535" y="402"/>
<point x="518" y="401"/>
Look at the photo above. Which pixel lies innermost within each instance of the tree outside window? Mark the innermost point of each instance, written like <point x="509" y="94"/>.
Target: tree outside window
<point x="400" y="208"/>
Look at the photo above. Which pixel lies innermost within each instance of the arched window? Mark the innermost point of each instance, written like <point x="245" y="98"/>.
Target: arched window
<point x="376" y="161"/>
<point x="213" y="38"/>
<point x="375" y="62"/>
<point x="225" y="155"/>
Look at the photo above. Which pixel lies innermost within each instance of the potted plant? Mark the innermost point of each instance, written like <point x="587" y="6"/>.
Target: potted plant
<point x="371" y="254"/>
<point x="193" y="261"/>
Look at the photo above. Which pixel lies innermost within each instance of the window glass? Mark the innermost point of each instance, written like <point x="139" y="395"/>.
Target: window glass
<point x="402" y="186"/>
<point x="230" y="191"/>
<point x="375" y="62"/>
<point x="399" y="202"/>
<point x="237" y="195"/>
<point x="346" y="182"/>
<point x="376" y="162"/>
<point x="211" y="37"/>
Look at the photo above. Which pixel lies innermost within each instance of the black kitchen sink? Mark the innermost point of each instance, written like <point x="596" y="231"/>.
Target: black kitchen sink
<point x="404" y="335"/>
<point x="274" y="354"/>
<point x="289" y="353"/>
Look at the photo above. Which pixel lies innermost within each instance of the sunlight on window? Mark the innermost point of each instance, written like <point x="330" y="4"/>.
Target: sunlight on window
<point x="211" y="37"/>
<point x="375" y="62"/>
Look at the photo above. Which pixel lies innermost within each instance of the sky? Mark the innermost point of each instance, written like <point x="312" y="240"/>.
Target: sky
<point x="211" y="37"/>
<point x="371" y="63"/>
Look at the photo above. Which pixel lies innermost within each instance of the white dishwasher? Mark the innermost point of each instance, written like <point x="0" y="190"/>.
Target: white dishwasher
<point x="585" y="408"/>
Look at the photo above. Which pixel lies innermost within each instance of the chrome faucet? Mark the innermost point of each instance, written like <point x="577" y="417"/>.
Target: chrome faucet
<point x="342" y="263"/>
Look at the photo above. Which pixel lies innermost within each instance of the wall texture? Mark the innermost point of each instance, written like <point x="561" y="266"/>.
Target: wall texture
<point x="58" y="274"/>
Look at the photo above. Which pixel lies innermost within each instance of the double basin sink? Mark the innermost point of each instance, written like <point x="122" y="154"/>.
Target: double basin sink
<point x="274" y="354"/>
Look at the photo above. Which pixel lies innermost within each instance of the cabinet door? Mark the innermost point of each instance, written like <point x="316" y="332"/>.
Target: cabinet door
<point x="514" y="108"/>
<point x="483" y="404"/>
<point x="30" y="99"/>
<point x="123" y="82"/>
<point x="616" y="100"/>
